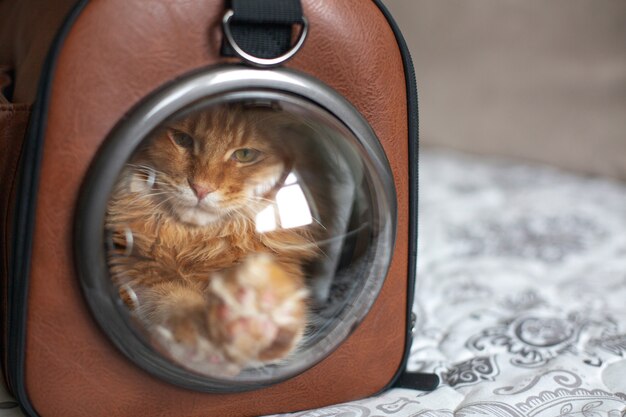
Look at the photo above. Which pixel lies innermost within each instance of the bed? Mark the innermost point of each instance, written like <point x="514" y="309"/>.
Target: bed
<point x="520" y="296"/>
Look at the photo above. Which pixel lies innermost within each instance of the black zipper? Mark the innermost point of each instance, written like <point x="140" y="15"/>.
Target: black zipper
<point x="427" y="382"/>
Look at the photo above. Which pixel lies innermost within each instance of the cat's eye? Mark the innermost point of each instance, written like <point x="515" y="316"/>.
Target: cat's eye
<point x="181" y="139"/>
<point x="246" y="155"/>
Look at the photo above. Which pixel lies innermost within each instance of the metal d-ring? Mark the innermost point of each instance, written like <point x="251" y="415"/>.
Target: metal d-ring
<point x="255" y="60"/>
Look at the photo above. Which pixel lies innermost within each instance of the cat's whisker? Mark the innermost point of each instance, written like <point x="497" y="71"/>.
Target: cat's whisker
<point x="146" y="200"/>
<point x="133" y="201"/>
<point x="160" y="204"/>
<point x="239" y="211"/>
<point x="152" y="180"/>
<point x="259" y="199"/>
<point x="155" y="194"/>
<point x="143" y="171"/>
<point x="144" y="196"/>
<point x="164" y="202"/>
<point x="145" y="167"/>
<point x="153" y="183"/>
<point x="148" y="171"/>
<point x="319" y="223"/>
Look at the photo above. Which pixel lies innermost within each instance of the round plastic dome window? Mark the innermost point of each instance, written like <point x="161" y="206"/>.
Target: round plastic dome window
<point x="229" y="238"/>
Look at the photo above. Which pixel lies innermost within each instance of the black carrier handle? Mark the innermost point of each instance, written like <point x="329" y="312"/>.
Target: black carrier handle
<point x="260" y="31"/>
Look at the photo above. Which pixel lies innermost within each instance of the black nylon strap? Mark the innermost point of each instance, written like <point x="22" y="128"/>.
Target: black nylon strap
<point x="418" y="380"/>
<point x="263" y="28"/>
<point x="286" y="12"/>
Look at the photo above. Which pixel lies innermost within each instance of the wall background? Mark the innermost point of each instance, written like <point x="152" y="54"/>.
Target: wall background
<point x="541" y="80"/>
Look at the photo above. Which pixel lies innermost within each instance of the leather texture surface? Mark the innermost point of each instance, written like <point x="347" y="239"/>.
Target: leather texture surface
<point x="107" y="64"/>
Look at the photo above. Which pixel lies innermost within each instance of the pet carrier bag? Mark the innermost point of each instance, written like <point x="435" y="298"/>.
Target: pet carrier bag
<point x="212" y="210"/>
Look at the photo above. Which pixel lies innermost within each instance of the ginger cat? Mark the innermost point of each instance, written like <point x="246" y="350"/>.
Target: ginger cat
<point x="214" y="292"/>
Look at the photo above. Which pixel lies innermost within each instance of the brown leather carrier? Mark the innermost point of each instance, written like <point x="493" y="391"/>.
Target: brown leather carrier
<point x="107" y="56"/>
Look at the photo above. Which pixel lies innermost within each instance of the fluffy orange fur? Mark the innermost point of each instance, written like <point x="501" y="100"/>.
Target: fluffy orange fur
<point x="215" y="294"/>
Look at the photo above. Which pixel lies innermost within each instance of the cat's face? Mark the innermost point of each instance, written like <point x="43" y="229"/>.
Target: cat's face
<point x="214" y="164"/>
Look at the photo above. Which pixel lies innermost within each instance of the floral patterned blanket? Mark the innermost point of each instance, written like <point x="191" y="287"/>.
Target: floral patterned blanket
<point x="521" y="295"/>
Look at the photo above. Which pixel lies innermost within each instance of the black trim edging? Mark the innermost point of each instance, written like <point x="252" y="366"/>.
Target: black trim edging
<point x="426" y="382"/>
<point x="24" y="219"/>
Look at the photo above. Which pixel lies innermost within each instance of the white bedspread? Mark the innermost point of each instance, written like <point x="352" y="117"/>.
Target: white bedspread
<point x="521" y="295"/>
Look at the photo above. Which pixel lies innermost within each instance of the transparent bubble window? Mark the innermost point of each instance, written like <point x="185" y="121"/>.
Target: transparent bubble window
<point x="229" y="239"/>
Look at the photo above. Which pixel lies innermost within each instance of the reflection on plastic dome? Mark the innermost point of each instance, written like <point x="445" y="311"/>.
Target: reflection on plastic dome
<point x="292" y="207"/>
<point x="238" y="234"/>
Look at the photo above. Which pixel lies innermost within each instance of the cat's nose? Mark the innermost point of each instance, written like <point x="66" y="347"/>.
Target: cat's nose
<point x="201" y="190"/>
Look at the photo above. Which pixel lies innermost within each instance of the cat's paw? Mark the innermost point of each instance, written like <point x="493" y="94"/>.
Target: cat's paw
<point x="258" y="312"/>
<point x="250" y="315"/>
<point x="183" y="336"/>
